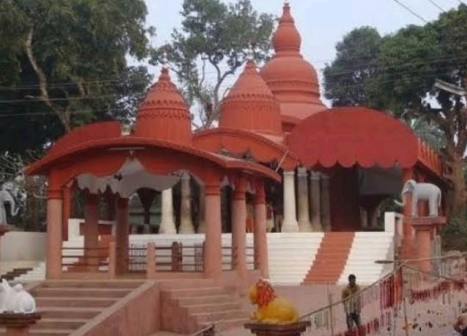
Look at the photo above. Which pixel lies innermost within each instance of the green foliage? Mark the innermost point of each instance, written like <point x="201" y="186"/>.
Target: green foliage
<point x="454" y="235"/>
<point x="214" y="40"/>
<point x="65" y="65"/>
<point x="398" y="77"/>
<point x="346" y="78"/>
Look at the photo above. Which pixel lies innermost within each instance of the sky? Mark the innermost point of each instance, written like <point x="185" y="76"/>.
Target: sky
<point x="322" y="23"/>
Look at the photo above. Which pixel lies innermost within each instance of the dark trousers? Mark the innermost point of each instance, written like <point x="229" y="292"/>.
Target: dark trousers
<point x="464" y="332"/>
<point x="354" y="318"/>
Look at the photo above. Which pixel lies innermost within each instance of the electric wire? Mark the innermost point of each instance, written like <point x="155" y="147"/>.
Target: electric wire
<point x="410" y="10"/>
<point x="434" y="3"/>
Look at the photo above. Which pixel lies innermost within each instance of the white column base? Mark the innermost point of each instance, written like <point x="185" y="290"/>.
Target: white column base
<point x="290" y="227"/>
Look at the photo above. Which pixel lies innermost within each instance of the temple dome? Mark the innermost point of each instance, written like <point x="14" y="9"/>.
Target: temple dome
<point x="250" y="105"/>
<point x="290" y="77"/>
<point x="164" y="114"/>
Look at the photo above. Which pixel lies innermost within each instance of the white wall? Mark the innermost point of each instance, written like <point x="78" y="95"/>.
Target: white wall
<point x="23" y="246"/>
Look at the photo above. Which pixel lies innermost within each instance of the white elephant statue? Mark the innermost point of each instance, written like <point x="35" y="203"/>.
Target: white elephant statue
<point x="16" y="299"/>
<point x="422" y="192"/>
<point x="6" y="197"/>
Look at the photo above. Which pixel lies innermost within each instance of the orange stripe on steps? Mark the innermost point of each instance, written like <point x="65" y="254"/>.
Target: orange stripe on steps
<point x="331" y="258"/>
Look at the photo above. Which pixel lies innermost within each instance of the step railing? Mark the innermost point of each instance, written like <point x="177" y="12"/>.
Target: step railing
<point x="388" y="303"/>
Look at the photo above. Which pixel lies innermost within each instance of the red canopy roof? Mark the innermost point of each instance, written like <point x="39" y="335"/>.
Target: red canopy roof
<point x="354" y="135"/>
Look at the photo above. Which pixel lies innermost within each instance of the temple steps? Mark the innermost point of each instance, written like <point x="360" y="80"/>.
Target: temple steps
<point x="11" y="275"/>
<point x="331" y="258"/>
<point x="198" y="307"/>
<point x="66" y="306"/>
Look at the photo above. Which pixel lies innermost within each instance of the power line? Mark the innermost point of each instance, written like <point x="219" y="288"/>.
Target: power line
<point x="344" y="71"/>
<point x="410" y="10"/>
<point x="438" y="6"/>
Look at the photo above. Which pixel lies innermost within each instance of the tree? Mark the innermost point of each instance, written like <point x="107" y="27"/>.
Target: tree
<point x="68" y="59"/>
<point x="214" y="39"/>
<point x="402" y="83"/>
<point x="346" y="77"/>
<point x="63" y="64"/>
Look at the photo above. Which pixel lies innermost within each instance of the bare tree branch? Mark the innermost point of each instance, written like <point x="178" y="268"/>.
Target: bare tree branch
<point x="44" y="95"/>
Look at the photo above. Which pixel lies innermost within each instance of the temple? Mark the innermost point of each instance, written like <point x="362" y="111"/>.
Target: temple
<point x="279" y="164"/>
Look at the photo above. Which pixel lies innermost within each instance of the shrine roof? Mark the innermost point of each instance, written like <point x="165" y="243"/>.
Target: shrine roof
<point x="107" y="135"/>
<point x="235" y="142"/>
<point x="293" y="80"/>
<point x="350" y="136"/>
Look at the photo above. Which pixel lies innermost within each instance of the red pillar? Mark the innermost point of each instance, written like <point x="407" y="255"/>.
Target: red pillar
<point x="67" y="196"/>
<point x="91" y="231"/>
<point x="260" y="233"/>
<point x="54" y="229"/>
<point x="122" y="234"/>
<point x="423" y="246"/>
<point x="213" y="243"/>
<point x="239" y="230"/>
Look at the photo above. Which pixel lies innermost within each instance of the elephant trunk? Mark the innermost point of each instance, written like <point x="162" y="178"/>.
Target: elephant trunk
<point x="401" y="204"/>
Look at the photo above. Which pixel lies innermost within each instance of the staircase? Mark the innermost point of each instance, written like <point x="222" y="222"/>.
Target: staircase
<point x="290" y="256"/>
<point x="35" y="274"/>
<point x="331" y="258"/>
<point x="367" y="247"/>
<point x="197" y="304"/>
<point x="68" y="305"/>
<point x="13" y="274"/>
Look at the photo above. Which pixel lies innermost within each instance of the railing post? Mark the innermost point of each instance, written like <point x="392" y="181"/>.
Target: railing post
<point x="177" y="257"/>
<point x="151" y="261"/>
<point x="112" y="260"/>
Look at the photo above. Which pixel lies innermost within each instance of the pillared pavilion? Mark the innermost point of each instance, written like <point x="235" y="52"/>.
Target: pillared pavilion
<point x="278" y="152"/>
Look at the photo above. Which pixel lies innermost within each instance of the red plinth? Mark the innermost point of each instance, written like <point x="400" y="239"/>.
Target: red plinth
<point x="425" y="228"/>
<point x="18" y="324"/>
<point x="262" y="329"/>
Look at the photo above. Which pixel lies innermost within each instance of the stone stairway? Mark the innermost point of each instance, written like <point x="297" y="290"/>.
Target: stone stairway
<point x="68" y="305"/>
<point x="199" y="303"/>
<point x="11" y="275"/>
<point x="331" y="258"/>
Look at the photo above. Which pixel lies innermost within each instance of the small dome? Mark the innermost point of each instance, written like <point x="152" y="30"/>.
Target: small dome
<point x="164" y="114"/>
<point x="287" y="38"/>
<point x="250" y="105"/>
<point x="290" y="77"/>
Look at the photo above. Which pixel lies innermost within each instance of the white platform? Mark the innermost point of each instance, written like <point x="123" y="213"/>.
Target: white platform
<point x="290" y="254"/>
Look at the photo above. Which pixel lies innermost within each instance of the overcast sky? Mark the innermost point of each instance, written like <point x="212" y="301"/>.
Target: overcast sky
<point x="322" y="23"/>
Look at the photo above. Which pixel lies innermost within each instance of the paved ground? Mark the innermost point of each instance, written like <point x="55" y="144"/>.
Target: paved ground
<point x="426" y="319"/>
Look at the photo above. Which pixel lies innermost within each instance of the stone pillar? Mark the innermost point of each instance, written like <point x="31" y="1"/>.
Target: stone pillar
<point x="54" y="231"/>
<point x="91" y="231"/>
<point x="201" y="209"/>
<point x="423" y="246"/>
<point x="239" y="231"/>
<point x="315" y="202"/>
<point x="260" y="234"/>
<point x="186" y="223"/>
<point x="303" y="204"/>
<point x="325" y="203"/>
<point x="66" y="211"/>
<point x="122" y="235"/>
<point x="167" y="220"/>
<point x="289" y="223"/>
<point x="151" y="261"/>
<point x="213" y="243"/>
